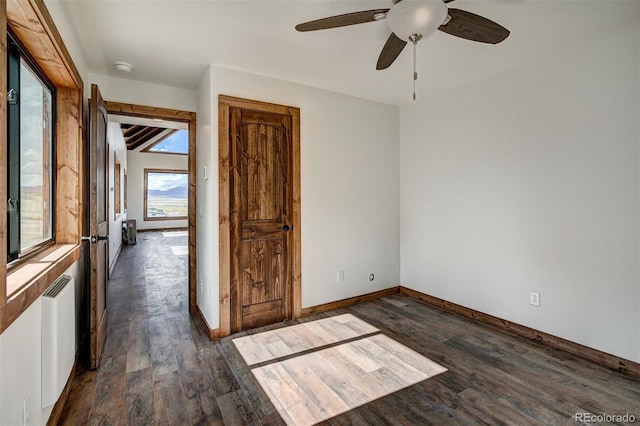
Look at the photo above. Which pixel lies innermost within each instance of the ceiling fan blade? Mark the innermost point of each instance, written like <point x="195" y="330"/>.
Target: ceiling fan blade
<point x="390" y="51"/>
<point x="341" y="20"/>
<point x="474" y="27"/>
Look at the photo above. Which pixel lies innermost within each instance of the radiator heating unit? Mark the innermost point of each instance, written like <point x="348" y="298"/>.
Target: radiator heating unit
<point x="58" y="338"/>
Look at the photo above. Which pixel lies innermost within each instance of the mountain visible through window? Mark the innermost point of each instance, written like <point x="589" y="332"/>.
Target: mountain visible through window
<point x="166" y="194"/>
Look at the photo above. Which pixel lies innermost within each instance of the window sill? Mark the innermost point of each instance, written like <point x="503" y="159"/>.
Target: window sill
<point x="26" y="282"/>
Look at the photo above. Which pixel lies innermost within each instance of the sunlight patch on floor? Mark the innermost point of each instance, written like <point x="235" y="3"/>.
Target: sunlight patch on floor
<point x="294" y="339"/>
<point x="168" y="234"/>
<point x="313" y="387"/>
<point x="180" y="250"/>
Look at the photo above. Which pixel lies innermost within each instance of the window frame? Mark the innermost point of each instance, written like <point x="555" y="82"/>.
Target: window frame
<point x="15" y="59"/>
<point x="146" y="192"/>
<point x="33" y="26"/>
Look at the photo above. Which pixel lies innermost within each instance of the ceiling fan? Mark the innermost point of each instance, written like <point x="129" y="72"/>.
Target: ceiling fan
<point x="412" y="20"/>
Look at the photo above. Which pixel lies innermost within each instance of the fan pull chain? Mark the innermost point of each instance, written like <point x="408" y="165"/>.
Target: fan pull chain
<point x="414" y="38"/>
<point x="415" y="73"/>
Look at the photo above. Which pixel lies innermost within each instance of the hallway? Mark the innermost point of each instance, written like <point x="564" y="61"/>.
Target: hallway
<point x="156" y="362"/>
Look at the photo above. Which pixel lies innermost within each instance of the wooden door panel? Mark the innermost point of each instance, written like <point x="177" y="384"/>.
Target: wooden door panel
<point x="262" y="117"/>
<point x="262" y="273"/>
<point x="260" y="207"/>
<point x="101" y="168"/>
<point x="261" y="314"/>
<point x="261" y="230"/>
<point x="100" y="304"/>
<point x="98" y="224"/>
<point x="262" y="195"/>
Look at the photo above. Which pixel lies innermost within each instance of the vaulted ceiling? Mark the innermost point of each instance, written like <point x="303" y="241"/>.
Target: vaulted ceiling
<point x="172" y="42"/>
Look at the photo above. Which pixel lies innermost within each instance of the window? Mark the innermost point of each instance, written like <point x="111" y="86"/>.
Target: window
<point x="176" y="143"/>
<point x="30" y="182"/>
<point x="165" y="196"/>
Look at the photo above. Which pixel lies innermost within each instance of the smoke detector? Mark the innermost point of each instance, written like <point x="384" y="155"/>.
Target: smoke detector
<point x="123" y="66"/>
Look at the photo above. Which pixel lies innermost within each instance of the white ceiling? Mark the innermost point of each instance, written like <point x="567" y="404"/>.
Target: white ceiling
<point x="172" y="42"/>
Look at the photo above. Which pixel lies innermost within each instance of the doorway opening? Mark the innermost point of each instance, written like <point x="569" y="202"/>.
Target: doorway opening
<point x="161" y="161"/>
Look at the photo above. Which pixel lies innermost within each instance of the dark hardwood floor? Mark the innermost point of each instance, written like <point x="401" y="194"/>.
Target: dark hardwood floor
<point x="159" y="366"/>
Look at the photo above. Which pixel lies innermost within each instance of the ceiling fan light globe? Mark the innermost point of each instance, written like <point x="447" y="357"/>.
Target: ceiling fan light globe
<point x="416" y="17"/>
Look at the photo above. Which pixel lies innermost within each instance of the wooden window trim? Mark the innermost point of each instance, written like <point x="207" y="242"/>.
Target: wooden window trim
<point x="144" y="212"/>
<point x="32" y="24"/>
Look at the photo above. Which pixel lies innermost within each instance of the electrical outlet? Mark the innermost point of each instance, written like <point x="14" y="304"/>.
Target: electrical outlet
<point x="26" y="410"/>
<point x="534" y="298"/>
<point x="340" y="276"/>
<point x="200" y="285"/>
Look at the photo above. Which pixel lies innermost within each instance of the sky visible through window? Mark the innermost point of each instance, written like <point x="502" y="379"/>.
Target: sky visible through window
<point x="163" y="183"/>
<point x="177" y="143"/>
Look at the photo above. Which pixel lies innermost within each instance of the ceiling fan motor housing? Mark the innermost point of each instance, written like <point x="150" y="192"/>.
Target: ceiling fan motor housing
<point x="410" y="17"/>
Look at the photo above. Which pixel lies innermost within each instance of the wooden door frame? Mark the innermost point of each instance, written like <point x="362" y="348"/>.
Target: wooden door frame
<point x="141" y="111"/>
<point x="225" y="103"/>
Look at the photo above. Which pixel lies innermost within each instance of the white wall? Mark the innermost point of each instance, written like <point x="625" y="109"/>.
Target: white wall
<point x="530" y="181"/>
<point x="207" y="200"/>
<point x="349" y="168"/>
<point x="141" y="93"/>
<point x="137" y="162"/>
<point x="117" y="152"/>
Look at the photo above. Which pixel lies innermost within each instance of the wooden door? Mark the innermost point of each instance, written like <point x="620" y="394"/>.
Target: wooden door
<point x="98" y="224"/>
<point x="260" y="204"/>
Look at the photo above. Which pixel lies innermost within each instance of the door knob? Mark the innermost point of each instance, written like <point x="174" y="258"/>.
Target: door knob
<point x="285" y="228"/>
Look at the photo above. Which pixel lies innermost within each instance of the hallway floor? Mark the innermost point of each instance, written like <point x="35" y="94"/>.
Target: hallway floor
<point x="159" y="367"/>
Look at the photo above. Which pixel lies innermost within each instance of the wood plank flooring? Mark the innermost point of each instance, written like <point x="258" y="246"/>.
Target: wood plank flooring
<point x="314" y="387"/>
<point x="159" y="366"/>
<point x="272" y="344"/>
